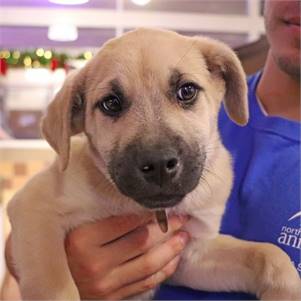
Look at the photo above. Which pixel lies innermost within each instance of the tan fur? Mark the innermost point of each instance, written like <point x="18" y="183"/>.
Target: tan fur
<point x="53" y="201"/>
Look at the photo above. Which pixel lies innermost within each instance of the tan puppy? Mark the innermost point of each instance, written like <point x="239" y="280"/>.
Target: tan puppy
<point x="148" y="105"/>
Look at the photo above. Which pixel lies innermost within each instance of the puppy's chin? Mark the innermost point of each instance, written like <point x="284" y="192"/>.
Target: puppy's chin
<point x="160" y="201"/>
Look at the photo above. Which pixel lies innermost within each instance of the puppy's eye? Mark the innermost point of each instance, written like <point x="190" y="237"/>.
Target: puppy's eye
<point x="187" y="93"/>
<point x="111" y="105"/>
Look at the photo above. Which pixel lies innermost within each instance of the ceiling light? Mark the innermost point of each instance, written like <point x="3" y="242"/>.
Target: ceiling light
<point x="62" y="32"/>
<point x="141" y="2"/>
<point x="69" y="2"/>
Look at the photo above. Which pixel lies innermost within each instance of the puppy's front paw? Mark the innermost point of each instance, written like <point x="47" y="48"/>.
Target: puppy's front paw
<point x="280" y="279"/>
<point x="292" y="293"/>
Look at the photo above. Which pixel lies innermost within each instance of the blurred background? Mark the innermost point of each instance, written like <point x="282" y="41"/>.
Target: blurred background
<point x="42" y="40"/>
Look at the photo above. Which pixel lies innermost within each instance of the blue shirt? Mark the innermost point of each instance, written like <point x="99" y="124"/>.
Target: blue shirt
<point x="265" y="201"/>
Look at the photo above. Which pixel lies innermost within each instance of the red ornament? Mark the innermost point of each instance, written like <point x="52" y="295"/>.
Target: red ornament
<point x="3" y="66"/>
<point x="54" y="64"/>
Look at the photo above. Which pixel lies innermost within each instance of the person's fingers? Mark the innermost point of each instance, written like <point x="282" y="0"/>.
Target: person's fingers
<point x="82" y="244"/>
<point x="105" y="256"/>
<point x="102" y="232"/>
<point x="146" y="284"/>
<point x="139" y="241"/>
<point x="90" y="265"/>
<point x="147" y="264"/>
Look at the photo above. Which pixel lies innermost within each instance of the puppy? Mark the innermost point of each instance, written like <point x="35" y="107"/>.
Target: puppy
<point x="147" y="105"/>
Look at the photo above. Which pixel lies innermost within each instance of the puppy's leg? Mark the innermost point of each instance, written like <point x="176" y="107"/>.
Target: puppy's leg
<point x="40" y="259"/>
<point x="230" y="264"/>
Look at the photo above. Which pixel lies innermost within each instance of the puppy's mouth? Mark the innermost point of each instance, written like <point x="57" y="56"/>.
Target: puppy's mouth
<point x="161" y="201"/>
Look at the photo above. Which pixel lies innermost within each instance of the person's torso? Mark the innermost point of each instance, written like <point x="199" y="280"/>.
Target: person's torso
<point x="265" y="201"/>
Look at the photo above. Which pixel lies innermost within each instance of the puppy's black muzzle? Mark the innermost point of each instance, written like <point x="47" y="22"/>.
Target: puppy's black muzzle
<point x="157" y="175"/>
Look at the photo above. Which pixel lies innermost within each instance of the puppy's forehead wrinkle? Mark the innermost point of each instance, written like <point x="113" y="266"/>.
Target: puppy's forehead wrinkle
<point x="98" y="89"/>
<point x="189" y="49"/>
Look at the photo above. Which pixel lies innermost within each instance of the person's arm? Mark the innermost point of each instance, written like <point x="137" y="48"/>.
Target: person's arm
<point x="120" y="256"/>
<point x="9" y="258"/>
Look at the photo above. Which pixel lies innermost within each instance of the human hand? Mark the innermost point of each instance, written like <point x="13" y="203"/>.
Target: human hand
<point x="119" y="257"/>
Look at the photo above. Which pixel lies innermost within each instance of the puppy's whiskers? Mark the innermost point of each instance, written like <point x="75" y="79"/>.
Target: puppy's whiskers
<point x="209" y="171"/>
<point x="203" y="180"/>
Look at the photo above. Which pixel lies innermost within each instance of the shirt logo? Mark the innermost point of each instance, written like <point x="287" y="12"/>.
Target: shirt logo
<point x="290" y="236"/>
<point x="295" y="216"/>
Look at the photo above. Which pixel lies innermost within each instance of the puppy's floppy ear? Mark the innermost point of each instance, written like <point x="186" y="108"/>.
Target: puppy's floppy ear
<point x="65" y="117"/>
<point x="223" y="62"/>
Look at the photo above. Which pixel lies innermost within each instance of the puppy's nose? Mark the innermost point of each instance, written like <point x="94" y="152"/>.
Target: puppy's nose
<point x="160" y="169"/>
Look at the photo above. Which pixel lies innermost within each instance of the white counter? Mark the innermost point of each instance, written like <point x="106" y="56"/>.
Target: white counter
<point x="25" y="150"/>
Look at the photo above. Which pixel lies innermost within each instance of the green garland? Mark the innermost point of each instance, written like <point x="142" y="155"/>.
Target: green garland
<point x="38" y="58"/>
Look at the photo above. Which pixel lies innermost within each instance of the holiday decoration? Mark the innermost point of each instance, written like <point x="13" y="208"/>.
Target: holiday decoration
<point x="37" y="58"/>
<point x="54" y="64"/>
<point x="3" y="66"/>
